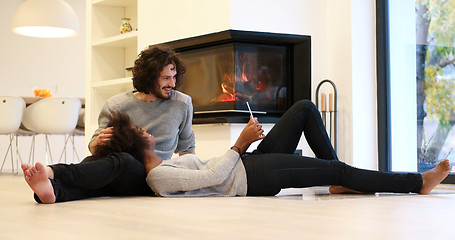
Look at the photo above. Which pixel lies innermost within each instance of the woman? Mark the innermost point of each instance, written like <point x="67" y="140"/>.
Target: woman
<point x="115" y="169"/>
<point x="264" y="172"/>
<point x="273" y="166"/>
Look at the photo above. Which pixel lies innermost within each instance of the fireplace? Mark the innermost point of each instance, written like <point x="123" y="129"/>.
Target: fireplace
<point x="225" y="70"/>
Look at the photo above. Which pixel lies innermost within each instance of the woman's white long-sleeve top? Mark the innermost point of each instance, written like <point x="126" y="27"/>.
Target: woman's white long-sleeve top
<point x="188" y="175"/>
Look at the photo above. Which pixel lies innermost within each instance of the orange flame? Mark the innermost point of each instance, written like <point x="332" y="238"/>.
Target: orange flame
<point x="228" y="92"/>
<point x="244" y="77"/>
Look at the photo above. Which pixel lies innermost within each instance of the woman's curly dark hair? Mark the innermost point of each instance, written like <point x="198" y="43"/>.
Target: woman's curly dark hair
<point x="126" y="138"/>
<point x="150" y="64"/>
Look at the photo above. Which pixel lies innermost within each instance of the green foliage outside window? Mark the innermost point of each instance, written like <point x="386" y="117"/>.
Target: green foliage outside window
<point x="435" y="70"/>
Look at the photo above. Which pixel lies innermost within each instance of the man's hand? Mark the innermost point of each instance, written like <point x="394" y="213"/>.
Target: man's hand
<point x="103" y="137"/>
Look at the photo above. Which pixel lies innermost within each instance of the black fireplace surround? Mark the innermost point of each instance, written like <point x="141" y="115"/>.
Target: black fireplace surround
<point x="227" y="69"/>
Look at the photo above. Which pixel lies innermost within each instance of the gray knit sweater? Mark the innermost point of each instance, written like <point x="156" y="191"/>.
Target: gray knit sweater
<point x="169" y="121"/>
<point x="188" y="175"/>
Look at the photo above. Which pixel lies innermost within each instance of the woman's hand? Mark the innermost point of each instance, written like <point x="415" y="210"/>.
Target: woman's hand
<point x="251" y="133"/>
<point x="150" y="140"/>
<point x="151" y="160"/>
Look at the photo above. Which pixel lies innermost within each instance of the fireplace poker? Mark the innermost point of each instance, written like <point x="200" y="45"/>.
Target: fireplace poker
<point x="323" y="109"/>
<point x="330" y="112"/>
<point x="330" y="128"/>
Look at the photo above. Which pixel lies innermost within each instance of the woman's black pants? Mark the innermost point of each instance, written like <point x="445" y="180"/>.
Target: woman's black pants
<point x="118" y="174"/>
<point x="274" y="166"/>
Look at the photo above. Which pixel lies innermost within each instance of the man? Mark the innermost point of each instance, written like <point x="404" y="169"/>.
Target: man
<point x="155" y="105"/>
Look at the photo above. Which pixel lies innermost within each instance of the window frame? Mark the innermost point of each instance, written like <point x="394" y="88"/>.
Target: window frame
<point x="383" y="89"/>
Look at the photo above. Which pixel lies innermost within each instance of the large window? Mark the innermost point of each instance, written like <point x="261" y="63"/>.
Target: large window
<point x="416" y="83"/>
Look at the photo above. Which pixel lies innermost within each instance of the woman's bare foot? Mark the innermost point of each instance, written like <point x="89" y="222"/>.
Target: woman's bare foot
<point x="25" y="166"/>
<point x="340" y="189"/>
<point x="434" y="176"/>
<point x="38" y="180"/>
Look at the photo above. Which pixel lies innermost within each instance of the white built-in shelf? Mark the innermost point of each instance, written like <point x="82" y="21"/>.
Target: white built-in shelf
<point x="108" y="54"/>
<point x="121" y="40"/>
<point x="114" y="3"/>
<point x="112" y="82"/>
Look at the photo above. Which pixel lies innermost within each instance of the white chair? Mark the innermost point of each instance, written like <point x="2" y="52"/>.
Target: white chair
<point x="78" y="131"/>
<point x="11" y="112"/>
<point x="52" y="116"/>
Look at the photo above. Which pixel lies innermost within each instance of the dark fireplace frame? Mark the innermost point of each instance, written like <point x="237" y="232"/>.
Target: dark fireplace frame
<point x="298" y="64"/>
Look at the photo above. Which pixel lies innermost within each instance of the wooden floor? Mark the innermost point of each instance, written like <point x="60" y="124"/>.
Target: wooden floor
<point x="294" y="214"/>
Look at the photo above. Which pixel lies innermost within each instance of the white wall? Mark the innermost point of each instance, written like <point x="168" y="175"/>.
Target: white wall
<point x="182" y="19"/>
<point x="343" y="50"/>
<point x="364" y="97"/>
<point x="39" y="62"/>
<point x="26" y="63"/>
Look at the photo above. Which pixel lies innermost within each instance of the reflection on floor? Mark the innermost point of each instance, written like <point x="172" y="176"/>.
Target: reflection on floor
<point x="322" y="193"/>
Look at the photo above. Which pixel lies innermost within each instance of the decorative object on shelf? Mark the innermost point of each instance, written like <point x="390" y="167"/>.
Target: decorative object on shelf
<point x="126" y="26"/>
<point x="45" y="19"/>
<point x="328" y="113"/>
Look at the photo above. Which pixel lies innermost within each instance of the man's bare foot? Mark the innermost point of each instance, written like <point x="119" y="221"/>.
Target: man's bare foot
<point x="340" y="189"/>
<point x="37" y="178"/>
<point x="434" y="176"/>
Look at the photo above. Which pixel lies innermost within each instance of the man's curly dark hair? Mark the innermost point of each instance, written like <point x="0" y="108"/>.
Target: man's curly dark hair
<point x="126" y="138"/>
<point x="150" y="64"/>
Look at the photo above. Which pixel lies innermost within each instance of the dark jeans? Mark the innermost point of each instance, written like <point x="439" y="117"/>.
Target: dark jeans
<point x="118" y="174"/>
<point x="273" y="166"/>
